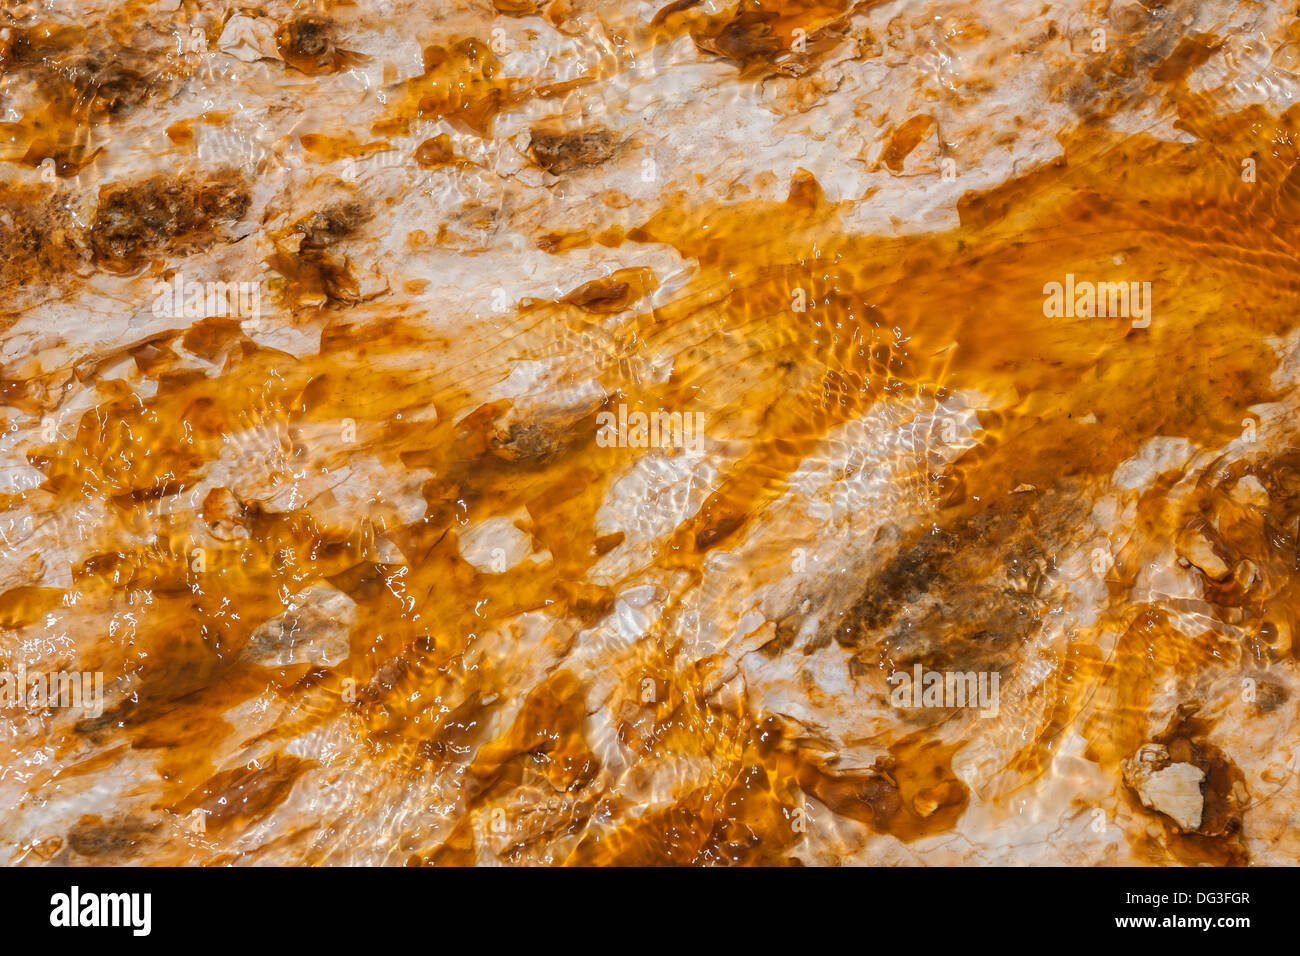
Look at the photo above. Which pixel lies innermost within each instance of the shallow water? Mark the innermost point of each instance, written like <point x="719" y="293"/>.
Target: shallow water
<point x="507" y="639"/>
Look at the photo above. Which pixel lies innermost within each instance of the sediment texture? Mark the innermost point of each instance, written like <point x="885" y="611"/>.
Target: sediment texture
<point x="377" y="568"/>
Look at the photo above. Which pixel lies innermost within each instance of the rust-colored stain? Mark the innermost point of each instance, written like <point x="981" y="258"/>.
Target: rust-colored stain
<point x="438" y="682"/>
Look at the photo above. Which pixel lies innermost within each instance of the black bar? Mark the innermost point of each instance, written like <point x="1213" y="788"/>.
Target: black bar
<point x="920" y="907"/>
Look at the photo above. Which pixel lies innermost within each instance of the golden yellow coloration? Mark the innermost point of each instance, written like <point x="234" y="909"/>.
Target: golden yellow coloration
<point x="886" y="319"/>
